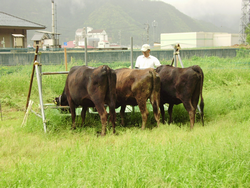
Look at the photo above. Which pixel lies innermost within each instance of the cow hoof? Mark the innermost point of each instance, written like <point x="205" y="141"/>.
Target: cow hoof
<point x="100" y="134"/>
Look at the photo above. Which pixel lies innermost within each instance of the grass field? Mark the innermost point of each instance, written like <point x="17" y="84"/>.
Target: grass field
<point x="216" y="155"/>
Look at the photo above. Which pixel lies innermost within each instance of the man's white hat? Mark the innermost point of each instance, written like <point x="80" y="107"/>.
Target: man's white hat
<point x="145" y="47"/>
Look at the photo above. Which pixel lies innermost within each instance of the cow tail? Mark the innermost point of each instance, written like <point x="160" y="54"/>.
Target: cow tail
<point x="155" y="95"/>
<point x="202" y="102"/>
<point x="198" y="69"/>
<point x="111" y="92"/>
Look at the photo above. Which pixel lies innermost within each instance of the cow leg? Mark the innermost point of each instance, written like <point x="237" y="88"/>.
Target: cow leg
<point x="144" y="113"/>
<point x="170" y="110"/>
<point x="83" y="114"/>
<point x="192" y="118"/>
<point x="103" y="116"/>
<point x="122" y="113"/>
<point x="162" y="113"/>
<point x="73" y="116"/>
<point x="72" y="111"/>
<point x="112" y="114"/>
<point x="191" y="112"/>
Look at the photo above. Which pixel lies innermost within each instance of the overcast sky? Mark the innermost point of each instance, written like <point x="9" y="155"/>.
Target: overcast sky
<point x="196" y="8"/>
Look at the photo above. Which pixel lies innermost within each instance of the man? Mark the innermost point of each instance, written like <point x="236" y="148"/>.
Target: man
<point x="146" y="60"/>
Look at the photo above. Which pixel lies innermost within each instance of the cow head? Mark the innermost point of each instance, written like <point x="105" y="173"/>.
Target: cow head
<point x="57" y="100"/>
<point x="61" y="101"/>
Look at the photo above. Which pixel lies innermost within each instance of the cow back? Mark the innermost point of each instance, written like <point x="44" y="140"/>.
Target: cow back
<point x="133" y="82"/>
<point x="87" y="84"/>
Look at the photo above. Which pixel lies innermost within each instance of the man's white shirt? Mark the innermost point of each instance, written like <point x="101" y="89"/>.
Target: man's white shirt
<point x="143" y="62"/>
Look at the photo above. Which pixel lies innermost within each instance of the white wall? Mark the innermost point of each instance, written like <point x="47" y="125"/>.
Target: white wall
<point x="198" y="39"/>
<point x="204" y="39"/>
<point x="187" y="40"/>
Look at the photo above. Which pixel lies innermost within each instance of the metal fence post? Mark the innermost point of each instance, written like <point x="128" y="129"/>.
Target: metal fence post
<point x="39" y="83"/>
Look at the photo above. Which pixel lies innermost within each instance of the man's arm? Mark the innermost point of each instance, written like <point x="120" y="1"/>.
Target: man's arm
<point x="157" y="62"/>
<point x="137" y="63"/>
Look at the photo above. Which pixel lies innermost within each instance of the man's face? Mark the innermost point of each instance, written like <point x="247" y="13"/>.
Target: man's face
<point x="146" y="54"/>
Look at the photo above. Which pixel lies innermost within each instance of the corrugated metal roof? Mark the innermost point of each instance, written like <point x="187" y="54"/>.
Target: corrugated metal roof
<point x="37" y="36"/>
<point x="9" y="21"/>
<point x="48" y="32"/>
<point x="96" y="31"/>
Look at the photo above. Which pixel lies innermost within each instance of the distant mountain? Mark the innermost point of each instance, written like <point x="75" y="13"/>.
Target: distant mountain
<point x="120" y="19"/>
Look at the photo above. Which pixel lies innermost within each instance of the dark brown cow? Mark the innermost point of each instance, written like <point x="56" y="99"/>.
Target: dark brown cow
<point x="90" y="87"/>
<point x="135" y="87"/>
<point x="181" y="85"/>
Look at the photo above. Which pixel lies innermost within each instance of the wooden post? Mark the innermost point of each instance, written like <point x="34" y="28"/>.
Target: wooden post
<point x="131" y="59"/>
<point x="32" y="76"/>
<point x="86" y="54"/>
<point x="131" y="52"/>
<point x="65" y="59"/>
<point x="27" y="113"/>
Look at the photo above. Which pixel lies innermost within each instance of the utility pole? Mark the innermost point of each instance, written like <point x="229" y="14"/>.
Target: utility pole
<point x="120" y="36"/>
<point x="53" y="24"/>
<point x="154" y="25"/>
<point x="245" y="20"/>
<point x="147" y="30"/>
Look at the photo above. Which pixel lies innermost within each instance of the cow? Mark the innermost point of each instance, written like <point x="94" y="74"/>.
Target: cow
<point x="181" y="85"/>
<point x="90" y="87"/>
<point x="135" y="87"/>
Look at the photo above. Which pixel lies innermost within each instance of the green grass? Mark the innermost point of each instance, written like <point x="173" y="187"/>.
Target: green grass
<point x="216" y="155"/>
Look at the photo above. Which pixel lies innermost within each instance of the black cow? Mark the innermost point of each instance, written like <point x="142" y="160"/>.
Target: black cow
<point x="135" y="87"/>
<point x="90" y="87"/>
<point x="181" y="85"/>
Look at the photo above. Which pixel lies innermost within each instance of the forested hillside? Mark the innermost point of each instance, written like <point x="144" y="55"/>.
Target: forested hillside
<point x="120" y="19"/>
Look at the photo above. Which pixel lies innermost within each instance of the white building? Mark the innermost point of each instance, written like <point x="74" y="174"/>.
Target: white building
<point x="103" y="44"/>
<point x="93" y="36"/>
<point x="198" y="39"/>
<point x="44" y="39"/>
<point x="101" y="34"/>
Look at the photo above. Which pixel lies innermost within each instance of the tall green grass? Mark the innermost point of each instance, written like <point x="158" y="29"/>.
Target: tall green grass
<point x="216" y="155"/>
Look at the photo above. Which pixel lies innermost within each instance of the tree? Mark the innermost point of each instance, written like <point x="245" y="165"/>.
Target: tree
<point x="247" y="32"/>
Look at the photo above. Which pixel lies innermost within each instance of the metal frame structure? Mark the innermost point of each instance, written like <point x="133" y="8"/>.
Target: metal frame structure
<point x="245" y="20"/>
<point x="38" y="68"/>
